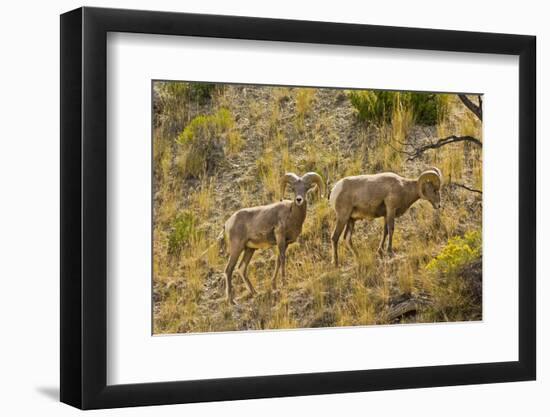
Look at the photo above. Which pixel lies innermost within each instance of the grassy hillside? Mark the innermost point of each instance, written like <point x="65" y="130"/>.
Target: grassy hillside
<point x="221" y="148"/>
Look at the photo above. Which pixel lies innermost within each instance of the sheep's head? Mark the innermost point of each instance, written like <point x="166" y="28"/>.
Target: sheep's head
<point x="429" y="184"/>
<point x="301" y="185"/>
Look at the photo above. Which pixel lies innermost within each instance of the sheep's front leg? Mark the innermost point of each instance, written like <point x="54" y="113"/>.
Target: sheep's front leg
<point x="282" y="254"/>
<point x="275" y="273"/>
<point x="383" y="240"/>
<point x="281" y="261"/>
<point x="390" y="220"/>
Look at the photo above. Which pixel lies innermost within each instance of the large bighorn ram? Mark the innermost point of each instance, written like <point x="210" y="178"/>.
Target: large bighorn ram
<point x="264" y="226"/>
<point x="385" y="195"/>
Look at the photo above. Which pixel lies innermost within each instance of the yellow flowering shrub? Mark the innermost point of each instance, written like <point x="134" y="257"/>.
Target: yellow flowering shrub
<point x="458" y="252"/>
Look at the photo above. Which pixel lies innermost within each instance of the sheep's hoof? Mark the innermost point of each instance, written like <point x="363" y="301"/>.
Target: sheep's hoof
<point x="231" y="301"/>
<point x="391" y="253"/>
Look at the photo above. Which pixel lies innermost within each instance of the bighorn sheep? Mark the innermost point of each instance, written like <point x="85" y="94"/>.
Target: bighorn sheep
<point x="385" y="195"/>
<point x="264" y="226"/>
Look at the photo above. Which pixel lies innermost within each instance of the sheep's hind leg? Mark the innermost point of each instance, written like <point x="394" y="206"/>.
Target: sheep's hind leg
<point x="243" y="269"/>
<point x="391" y="223"/>
<point x="348" y="232"/>
<point x="340" y="224"/>
<point x="383" y="240"/>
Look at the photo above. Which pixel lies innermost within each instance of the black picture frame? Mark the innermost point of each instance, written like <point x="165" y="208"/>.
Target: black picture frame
<point x="84" y="207"/>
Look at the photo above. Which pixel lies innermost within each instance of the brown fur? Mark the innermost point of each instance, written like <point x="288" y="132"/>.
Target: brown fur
<point x="386" y="195"/>
<point x="278" y="224"/>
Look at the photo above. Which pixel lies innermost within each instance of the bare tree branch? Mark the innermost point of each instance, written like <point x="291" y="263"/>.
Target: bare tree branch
<point x="477" y="110"/>
<point x="480" y="104"/>
<point x="456" y="184"/>
<point x="417" y="152"/>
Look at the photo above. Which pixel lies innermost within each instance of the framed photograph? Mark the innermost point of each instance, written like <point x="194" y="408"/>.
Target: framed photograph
<point x="257" y="208"/>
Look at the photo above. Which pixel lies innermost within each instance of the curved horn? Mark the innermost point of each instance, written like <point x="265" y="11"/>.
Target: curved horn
<point x="288" y="178"/>
<point x="438" y="171"/>
<point x="432" y="175"/>
<point x="313" y="178"/>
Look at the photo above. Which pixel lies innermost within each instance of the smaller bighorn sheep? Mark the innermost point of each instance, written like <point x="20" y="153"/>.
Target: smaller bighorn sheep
<point x="261" y="227"/>
<point x="385" y="195"/>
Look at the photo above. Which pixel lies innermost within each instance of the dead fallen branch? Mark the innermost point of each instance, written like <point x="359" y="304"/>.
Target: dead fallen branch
<point x="402" y="309"/>
<point x="406" y="307"/>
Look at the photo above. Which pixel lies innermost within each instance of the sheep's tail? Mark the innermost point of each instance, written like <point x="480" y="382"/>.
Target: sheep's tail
<point x="220" y="242"/>
<point x="333" y="194"/>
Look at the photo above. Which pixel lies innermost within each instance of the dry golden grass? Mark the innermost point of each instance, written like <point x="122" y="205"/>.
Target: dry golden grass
<point x="304" y="99"/>
<point x="264" y="133"/>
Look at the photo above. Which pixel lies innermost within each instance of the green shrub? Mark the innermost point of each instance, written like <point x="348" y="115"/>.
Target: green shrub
<point x="456" y="291"/>
<point x="428" y="109"/>
<point x="378" y="106"/>
<point x="201" y="91"/>
<point x="458" y="252"/>
<point x="201" y="143"/>
<point x="216" y="123"/>
<point x="372" y="106"/>
<point x="174" y="91"/>
<point x="183" y="231"/>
